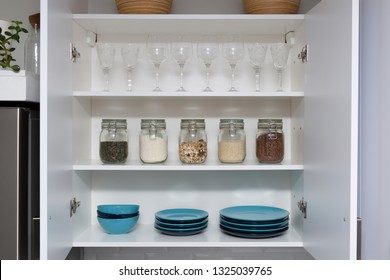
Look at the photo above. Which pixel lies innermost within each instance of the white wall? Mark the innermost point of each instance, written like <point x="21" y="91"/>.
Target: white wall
<point x="375" y="129"/>
<point x="19" y="10"/>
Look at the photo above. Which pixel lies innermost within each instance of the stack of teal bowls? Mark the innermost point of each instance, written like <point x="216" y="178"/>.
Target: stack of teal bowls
<point x="117" y="218"/>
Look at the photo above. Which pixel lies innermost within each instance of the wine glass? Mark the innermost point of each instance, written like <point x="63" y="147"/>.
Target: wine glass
<point x="181" y="51"/>
<point x="208" y="50"/>
<point x="233" y="52"/>
<point x="280" y="53"/>
<point x="257" y="53"/>
<point x="106" y="54"/>
<point x="157" y="52"/>
<point x="129" y="56"/>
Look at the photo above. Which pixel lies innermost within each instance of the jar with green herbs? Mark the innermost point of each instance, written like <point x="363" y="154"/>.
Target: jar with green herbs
<point x="270" y="141"/>
<point x="114" y="141"/>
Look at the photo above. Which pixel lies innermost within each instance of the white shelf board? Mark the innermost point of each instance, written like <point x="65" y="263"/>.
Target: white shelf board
<point x="268" y="94"/>
<point x="136" y="165"/>
<point x="119" y="24"/>
<point x="144" y="235"/>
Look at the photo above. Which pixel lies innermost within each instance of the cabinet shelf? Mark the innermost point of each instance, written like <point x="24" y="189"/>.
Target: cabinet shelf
<point x="288" y="95"/>
<point x="114" y="24"/>
<point x="144" y="235"/>
<point x="135" y="165"/>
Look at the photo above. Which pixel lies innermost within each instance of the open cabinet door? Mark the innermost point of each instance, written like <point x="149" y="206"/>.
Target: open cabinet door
<point x="56" y="127"/>
<point x="331" y="129"/>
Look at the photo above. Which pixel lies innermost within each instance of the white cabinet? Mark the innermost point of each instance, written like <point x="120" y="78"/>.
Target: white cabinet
<point x="319" y="110"/>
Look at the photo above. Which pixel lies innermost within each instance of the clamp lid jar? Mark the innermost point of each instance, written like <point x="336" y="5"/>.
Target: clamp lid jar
<point x="153" y="141"/>
<point x="270" y="141"/>
<point x="113" y="141"/>
<point x="231" y="141"/>
<point x="193" y="141"/>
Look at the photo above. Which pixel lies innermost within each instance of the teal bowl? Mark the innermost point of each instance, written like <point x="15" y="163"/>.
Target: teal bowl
<point x="118" y="209"/>
<point x="118" y="226"/>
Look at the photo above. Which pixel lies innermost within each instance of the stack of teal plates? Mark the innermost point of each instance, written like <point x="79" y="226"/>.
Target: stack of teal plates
<point x="181" y="221"/>
<point x="252" y="221"/>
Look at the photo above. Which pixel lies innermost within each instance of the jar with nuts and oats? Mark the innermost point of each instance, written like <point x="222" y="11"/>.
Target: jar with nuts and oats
<point x="153" y="141"/>
<point x="231" y="141"/>
<point x="270" y="141"/>
<point x="193" y="141"/>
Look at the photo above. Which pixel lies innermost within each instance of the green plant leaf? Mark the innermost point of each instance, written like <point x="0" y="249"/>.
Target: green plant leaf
<point x="15" y="68"/>
<point x="11" y="27"/>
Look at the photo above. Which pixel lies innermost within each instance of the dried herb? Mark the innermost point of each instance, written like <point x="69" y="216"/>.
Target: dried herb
<point x="113" y="151"/>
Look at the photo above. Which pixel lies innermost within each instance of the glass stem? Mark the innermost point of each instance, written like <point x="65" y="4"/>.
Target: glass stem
<point x="181" y="65"/>
<point x="233" y="68"/>
<point x="106" y="73"/>
<point x="280" y="80"/>
<point x="257" y="78"/>
<point x="129" y="79"/>
<point x="157" y="66"/>
<point x="208" y="65"/>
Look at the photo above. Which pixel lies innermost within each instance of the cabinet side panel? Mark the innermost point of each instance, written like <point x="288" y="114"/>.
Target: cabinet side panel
<point x="56" y="128"/>
<point x="331" y="130"/>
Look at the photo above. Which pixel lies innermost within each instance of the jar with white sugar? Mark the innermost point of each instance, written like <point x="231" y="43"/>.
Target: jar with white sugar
<point x="231" y="141"/>
<point x="153" y="141"/>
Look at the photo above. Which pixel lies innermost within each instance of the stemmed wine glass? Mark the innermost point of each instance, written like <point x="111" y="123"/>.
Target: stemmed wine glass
<point x="280" y="53"/>
<point x="233" y="52"/>
<point x="208" y="50"/>
<point x="106" y="54"/>
<point x="181" y="51"/>
<point x="157" y="52"/>
<point x="129" y="56"/>
<point x="257" y="53"/>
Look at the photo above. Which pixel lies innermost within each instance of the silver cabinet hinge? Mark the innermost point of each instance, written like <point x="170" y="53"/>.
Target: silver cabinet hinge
<point x="74" y="204"/>
<point x="302" y="205"/>
<point x="303" y="55"/>
<point x="74" y="54"/>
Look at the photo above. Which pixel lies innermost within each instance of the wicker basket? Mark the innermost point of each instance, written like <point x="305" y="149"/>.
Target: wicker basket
<point x="271" y="6"/>
<point x="144" y="6"/>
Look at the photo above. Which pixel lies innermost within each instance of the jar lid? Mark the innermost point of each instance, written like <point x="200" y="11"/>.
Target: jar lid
<point x="118" y="123"/>
<point x="158" y="123"/>
<point x="199" y="123"/>
<point x="238" y="123"/>
<point x="266" y="123"/>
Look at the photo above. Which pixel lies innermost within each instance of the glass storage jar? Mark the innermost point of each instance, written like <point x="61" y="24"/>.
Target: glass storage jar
<point x="113" y="141"/>
<point x="193" y="141"/>
<point x="153" y="141"/>
<point x="270" y="141"/>
<point x="231" y="141"/>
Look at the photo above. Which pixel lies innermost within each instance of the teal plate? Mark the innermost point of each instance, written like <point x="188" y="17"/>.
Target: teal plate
<point x="253" y="226"/>
<point x="254" y="213"/>
<point x="181" y="225"/>
<point x="181" y="215"/>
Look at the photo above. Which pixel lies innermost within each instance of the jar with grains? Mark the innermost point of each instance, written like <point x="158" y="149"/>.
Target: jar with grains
<point x="270" y="141"/>
<point x="153" y="141"/>
<point x="193" y="141"/>
<point x="113" y="141"/>
<point x="231" y="141"/>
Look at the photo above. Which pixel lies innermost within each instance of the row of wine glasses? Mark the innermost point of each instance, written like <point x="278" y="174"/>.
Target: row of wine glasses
<point x="181" y="50"/>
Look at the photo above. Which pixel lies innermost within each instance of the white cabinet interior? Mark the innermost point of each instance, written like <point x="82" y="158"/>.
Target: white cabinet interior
<point x="210" y="186"/>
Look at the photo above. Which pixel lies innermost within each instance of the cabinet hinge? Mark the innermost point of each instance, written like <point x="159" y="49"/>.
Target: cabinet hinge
<point x="74" y="204"/>
<point x="74" y="54"/>
<point x="302" y="205"/>
<point x="303" y="55"/>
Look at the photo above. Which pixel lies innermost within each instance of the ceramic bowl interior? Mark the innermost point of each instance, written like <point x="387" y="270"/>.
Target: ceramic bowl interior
<point x="118" y="209"/>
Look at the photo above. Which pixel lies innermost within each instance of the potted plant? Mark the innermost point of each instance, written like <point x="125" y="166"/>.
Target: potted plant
<point x="6" y="49"/>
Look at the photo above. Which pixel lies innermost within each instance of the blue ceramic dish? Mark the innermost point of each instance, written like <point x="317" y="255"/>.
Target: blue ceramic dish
<point x="118" y="209"/>
<point x="118" y="226"/>
<point x="115" y="216"/>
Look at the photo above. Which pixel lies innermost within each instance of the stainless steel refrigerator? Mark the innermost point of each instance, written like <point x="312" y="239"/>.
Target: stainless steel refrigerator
<point x="19" y="180"/>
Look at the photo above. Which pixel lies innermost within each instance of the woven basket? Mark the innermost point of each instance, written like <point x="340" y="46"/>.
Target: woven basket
<point x="144" y="6"/>
<point x="271" y="6"/>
